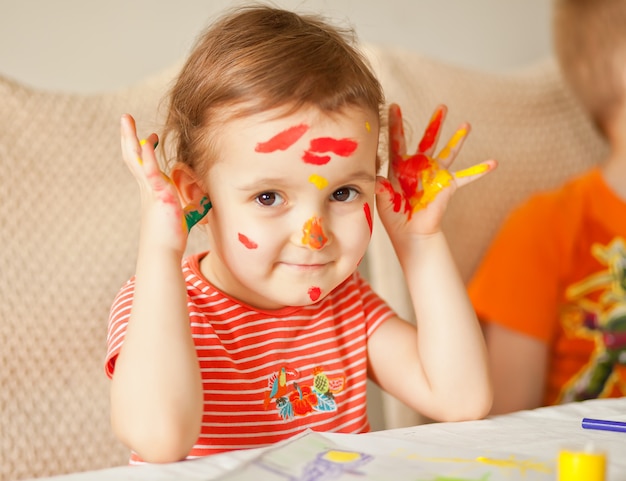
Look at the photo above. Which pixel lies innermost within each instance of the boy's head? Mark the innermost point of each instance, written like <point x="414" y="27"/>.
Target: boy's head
<point x="257" y="59"/>
<point x="590" y="43"/>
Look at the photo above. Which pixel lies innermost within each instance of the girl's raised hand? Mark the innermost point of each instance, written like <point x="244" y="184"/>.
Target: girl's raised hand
<point x="416" y="192"/>
<point x="162" y="217"/>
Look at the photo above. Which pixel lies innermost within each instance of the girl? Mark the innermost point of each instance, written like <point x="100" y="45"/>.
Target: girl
<point x="274" y="124"/>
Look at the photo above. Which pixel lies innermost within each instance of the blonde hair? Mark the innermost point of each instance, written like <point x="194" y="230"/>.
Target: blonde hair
<point x="590" y="43"/>
<point x="259" y="58"/>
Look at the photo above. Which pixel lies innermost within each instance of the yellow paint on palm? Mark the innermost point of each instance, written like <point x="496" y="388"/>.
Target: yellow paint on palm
<point x="473" y="170"/>
<point x="433" y="182"/>
<point x="318" y="181"/>
<point x="452" y="143"/>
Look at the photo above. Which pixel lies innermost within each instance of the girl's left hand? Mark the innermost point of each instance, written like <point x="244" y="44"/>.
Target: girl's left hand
<point x="416" y="193"/>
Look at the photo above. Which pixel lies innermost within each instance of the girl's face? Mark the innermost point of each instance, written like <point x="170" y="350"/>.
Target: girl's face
<point x="293" y="201"/>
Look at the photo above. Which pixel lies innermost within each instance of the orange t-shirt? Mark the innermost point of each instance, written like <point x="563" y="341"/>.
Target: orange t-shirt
<point x="557" y="272"/>
<point x="268" y="375"/>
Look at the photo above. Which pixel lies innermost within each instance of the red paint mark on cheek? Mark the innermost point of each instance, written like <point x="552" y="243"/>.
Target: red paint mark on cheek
<point x="431" y="132"/>
<point x="247" y="242"/>
<point x="282" y="140"/>
<point x="368" y="215"/>
<point x="315" y="293"/>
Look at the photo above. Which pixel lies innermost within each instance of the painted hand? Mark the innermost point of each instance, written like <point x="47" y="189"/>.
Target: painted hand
<point x="419" y="186"/>
<point x="162" y="213"/>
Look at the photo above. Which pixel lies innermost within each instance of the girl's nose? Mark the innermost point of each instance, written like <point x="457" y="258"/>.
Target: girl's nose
<point x="313" y="233"/>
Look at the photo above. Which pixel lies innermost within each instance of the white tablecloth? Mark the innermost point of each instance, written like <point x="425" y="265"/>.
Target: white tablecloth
<point x="523" y="445"/>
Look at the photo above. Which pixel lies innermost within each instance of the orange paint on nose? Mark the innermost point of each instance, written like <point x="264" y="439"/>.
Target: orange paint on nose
<point x="313" y="233"/>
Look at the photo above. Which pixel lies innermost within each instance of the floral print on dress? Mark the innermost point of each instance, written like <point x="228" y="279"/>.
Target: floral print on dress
<point x="293" y="397"/>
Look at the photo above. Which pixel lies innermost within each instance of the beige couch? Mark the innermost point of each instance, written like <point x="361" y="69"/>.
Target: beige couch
<point x="68" y="230"/>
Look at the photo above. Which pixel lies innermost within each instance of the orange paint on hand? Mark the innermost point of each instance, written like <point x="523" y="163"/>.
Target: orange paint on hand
<point x="313" y="233"/>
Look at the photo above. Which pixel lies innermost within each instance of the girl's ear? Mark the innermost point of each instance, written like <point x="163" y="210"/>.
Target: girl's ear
<point x="188" y="185"/>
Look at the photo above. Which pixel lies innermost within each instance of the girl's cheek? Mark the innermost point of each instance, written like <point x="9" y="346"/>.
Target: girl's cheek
<point x="247" y="242"/>
<point x="368" y="216"/>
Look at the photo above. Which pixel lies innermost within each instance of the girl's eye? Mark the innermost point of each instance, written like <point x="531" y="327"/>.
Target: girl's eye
<point x="345" y="194"/>
<point x="269" y="199"/>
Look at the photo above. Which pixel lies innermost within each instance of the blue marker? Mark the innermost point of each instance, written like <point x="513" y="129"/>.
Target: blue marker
<point x="604" y="425"/>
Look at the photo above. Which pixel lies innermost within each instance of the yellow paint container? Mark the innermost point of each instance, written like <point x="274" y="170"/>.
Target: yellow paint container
<point x="581" y="466"/>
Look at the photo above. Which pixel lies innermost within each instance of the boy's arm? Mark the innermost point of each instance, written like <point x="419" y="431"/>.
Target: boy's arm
<point x="156" y="390"/>
<point x="440" y="370"/>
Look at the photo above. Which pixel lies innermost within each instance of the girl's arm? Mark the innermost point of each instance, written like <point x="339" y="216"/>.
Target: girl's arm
<point x="156" y="390"/>
<point x="440" y="368"/>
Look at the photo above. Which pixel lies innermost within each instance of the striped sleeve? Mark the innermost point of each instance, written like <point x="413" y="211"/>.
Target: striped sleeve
<point x="118" y="321"/>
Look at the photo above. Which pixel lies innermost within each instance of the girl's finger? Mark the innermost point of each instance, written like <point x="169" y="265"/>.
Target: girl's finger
<point x="475" y="172"/>
<point x="131" y="150"/>
<point x="429" y="139"/>
<point x="447" y="155"/>
<point x="397" y="143"/>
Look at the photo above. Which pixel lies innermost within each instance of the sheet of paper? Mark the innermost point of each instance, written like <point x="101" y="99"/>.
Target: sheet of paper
<point x="323" y="457"/>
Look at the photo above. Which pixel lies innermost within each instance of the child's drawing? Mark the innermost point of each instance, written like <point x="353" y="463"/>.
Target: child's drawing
<point x="335" y="457"/>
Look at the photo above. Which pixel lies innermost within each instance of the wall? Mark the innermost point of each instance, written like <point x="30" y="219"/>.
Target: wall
<point x="89" y="46"/>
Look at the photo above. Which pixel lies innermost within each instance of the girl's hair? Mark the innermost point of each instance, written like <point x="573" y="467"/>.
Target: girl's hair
<point x="260" y="58"/>
<point x="590" y="43"/>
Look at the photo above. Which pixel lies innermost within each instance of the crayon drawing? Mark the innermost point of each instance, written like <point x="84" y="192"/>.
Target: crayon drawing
<point x="315" y="456"/>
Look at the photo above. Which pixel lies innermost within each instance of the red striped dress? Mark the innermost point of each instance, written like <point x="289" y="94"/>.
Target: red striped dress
<point x="268" y="375"/>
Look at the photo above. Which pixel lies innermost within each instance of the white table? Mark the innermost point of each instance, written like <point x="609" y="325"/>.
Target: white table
<point x="519" y="446"/>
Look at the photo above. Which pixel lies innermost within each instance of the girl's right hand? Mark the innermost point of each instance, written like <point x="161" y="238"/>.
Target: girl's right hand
<point x="162" y="219"/>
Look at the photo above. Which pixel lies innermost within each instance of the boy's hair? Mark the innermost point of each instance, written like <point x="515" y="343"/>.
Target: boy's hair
<point x="259" y="58"/>
<point x="590" y="43"/>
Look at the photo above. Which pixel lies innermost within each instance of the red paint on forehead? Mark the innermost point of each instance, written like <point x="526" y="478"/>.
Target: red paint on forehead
<point x="368" y="215"/>
<point x="282" y="140"/>
<point x="315" y="293"/>
<point x="247" y="242"/>
<point x="311" y="158"/>
<point x="341" y="147"/>
<point x="431" y="132"/>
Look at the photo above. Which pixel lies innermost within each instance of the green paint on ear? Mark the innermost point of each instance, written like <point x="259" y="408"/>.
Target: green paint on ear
<point x="193" y="215"/>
